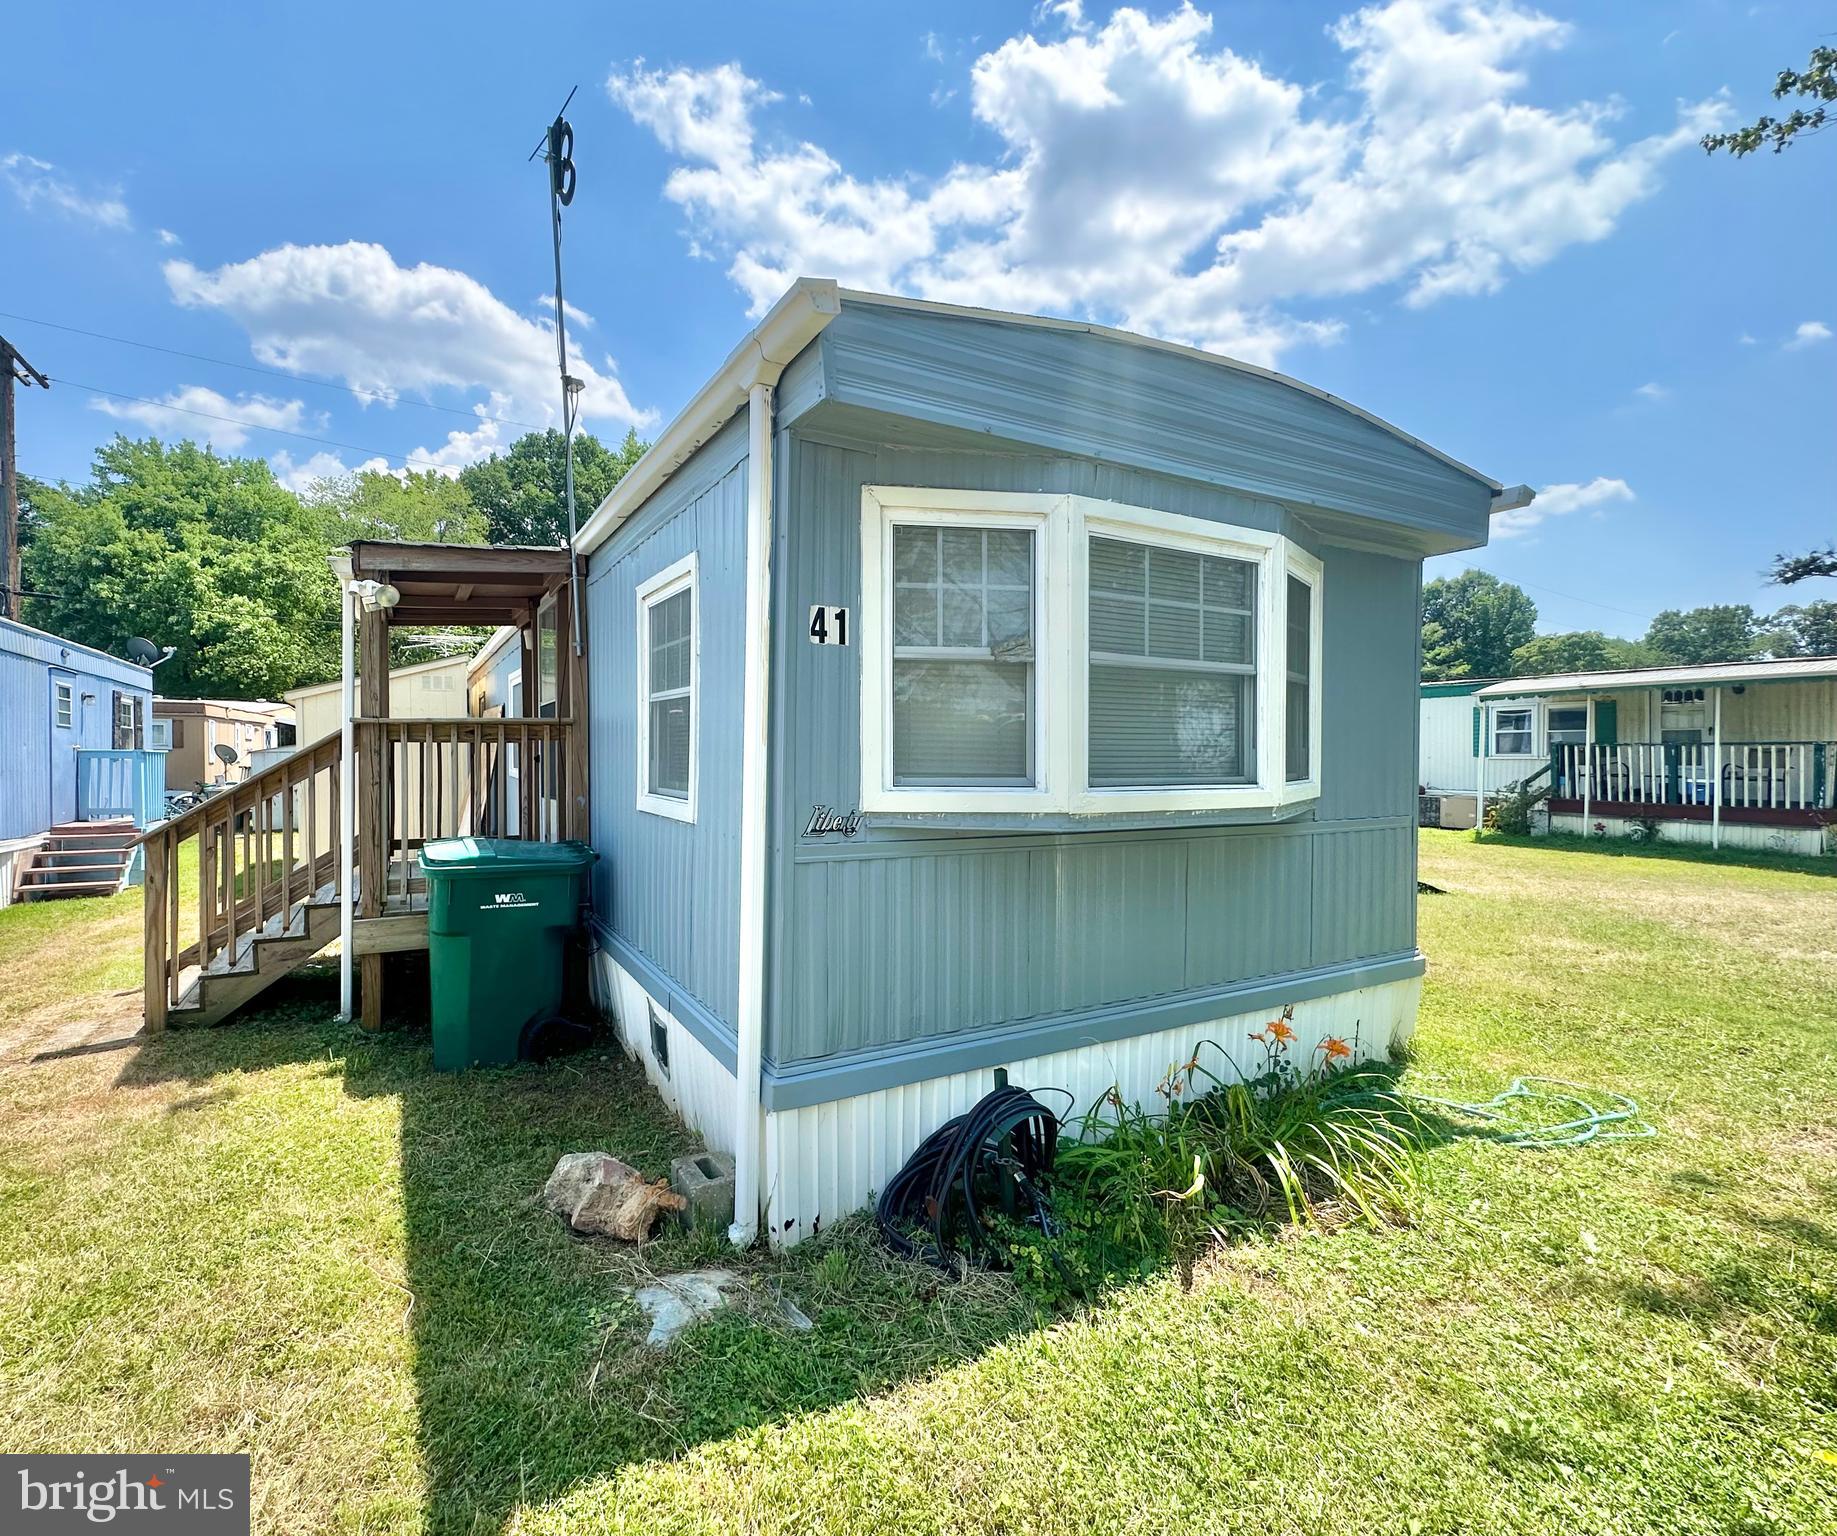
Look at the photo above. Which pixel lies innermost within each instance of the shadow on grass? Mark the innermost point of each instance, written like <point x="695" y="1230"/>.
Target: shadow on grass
<point x="1675" y="853"/>
<point x="530" y="1374"/>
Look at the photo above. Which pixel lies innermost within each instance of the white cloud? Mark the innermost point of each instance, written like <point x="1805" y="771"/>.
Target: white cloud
<point x="322" y="465"/>
<point x="1560" y="501"/>
<point x="1153" y="179"/>
<point x="1809" y="334"/>
<point x="37" y="183"/>
<point x="351" y="312"/>
<point x="205" y="416"/>
<point x="1747" y="339"/>
<point x="932" y="47"/>
<point x="1653" y="391"/>
<point x="166" y="237"/>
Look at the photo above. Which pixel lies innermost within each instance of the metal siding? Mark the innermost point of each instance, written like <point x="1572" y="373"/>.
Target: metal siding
<point x="903" y="935"/>
<point x="825" y="1160"/>
<point x="1101" y="398"/>
<point x="667" y="888"/>
<point x="38" y="783"/>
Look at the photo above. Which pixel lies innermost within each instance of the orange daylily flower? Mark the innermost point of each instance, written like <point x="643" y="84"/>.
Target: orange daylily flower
<point x="1335" y="1048"/>
<point x="1279" y="1030"/>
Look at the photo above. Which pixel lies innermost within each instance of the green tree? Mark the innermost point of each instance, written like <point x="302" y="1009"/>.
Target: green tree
<point x="206" y="554"/>
<point x="1472" y="623"/>
<point x="1719" y="632"/>
<point x="1808" y="629"/>
<point x="1816" y="82"/>
<point x="1789" y="570"/>
<point x="522" y="493"/>
<point x="428" y="508"/>
<point x="1582" y="650"/>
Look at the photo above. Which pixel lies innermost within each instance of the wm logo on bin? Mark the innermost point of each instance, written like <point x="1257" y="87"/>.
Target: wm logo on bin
<point x="509" y="899"/>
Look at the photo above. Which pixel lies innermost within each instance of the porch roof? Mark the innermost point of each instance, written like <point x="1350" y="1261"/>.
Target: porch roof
<point x="1795" y="669"/>
<point x="461" y="583"/>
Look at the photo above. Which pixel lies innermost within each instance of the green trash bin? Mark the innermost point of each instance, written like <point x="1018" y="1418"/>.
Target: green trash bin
<point x="499" y="915"/>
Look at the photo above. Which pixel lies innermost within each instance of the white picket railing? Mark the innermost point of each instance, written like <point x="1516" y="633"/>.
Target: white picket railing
<point x="1754" y="775"/>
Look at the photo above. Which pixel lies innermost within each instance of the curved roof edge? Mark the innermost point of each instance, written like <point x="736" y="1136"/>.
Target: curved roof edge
<point x="810" y="303"/>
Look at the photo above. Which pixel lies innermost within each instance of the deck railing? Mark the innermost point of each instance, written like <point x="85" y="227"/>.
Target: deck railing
<point x="1749" y="775"/>
<point x="271" y="841"/>
<point x="121" y="782"/>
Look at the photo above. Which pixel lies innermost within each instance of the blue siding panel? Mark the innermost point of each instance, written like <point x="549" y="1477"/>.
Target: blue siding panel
<point x="38" y="771"/>
<point x="667" y="889"/>
<point x="910" y="934"/>
<point x="1097" y="397"/>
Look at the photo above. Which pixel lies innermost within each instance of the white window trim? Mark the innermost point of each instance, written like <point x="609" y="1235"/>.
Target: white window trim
<point x="672" y="579"/>
<point x="159" y="735"/>
<point x="1062" y="526"/>
<point x="63" y="706"/>
<point x="1308" y="570"/>
<point x="1492" y="729"/>
<point x="881" y="507"/>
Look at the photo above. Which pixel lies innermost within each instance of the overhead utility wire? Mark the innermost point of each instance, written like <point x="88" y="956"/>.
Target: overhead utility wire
<point x="274" y="373"/>
<point x="1644" y="618"/>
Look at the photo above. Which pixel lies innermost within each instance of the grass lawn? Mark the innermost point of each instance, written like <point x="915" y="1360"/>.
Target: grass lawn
<point x="283" y="1238"/>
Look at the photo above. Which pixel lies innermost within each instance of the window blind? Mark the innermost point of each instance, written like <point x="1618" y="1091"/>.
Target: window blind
<point x="670" y="703"/>
<point x="1300" y="645"/>
<point x="1172" y="666"/>
<point x="962" y="655"/>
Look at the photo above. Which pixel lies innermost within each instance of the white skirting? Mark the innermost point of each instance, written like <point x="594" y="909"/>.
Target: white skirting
<point x="1742" y="834"/>
<point x="697" y="1087"/>
<point x="825" y="1160"/>
<point x="15" y="854"/>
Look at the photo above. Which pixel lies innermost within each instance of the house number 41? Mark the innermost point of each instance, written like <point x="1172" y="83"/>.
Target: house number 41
<point x="829" y="626"/>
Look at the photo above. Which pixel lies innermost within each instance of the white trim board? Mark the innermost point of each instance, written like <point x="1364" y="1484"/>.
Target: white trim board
<point x="679" y="576"/>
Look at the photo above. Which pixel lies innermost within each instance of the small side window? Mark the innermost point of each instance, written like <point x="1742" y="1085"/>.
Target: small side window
<point x="668" y="653"/>
<point x="660" y="1041"/>
<point x="63" y="706"/>
<point x="1511" y="733"/>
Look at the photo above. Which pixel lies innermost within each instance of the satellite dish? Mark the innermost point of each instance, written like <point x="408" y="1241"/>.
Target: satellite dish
<point x="147" y="653"/>
<point x="226" y="754"/>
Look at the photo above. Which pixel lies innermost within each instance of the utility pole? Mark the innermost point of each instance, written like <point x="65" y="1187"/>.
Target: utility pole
<point x="14" y="369"/>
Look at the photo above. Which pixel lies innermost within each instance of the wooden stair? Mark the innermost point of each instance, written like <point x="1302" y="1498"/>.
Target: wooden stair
<point x="261" y="957"/>
<point x="80" y="858"/>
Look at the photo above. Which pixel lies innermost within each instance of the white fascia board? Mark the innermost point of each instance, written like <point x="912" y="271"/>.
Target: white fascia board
<point x="788" y="327"/>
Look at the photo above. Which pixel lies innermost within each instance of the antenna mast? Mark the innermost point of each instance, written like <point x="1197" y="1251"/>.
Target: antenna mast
<point x="557" y="149"/>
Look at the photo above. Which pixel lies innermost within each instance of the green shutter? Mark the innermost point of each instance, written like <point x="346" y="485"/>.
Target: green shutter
<point x="1479" y="712"/>
<point x="1607" y="722"/>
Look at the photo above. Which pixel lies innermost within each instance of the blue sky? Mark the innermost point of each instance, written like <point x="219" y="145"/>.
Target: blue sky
<point x="1486" y="222"/>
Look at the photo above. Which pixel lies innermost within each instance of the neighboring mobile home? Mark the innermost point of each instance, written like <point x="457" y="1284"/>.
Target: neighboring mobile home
<point x="191" y="730"/>
<point x="1732" y="754"/>
<point x="974" y="691"/>
<point x="75" y="723"/>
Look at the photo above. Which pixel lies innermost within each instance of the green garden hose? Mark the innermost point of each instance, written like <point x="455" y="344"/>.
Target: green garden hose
<point x="1621" y="1122"/>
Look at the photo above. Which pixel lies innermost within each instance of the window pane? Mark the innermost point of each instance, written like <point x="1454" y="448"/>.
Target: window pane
<point x="915" y="555"/>
<point x="915" y="615"/>
<point x="1300" y="646"/>
<point x="957" y="722"/>
<point x="1512" y="733"/>
<point x="1184" y="713"/>
<point x="1159" y="726"/>
<point x="670" y="643"/>
<point x="669" y="740"/>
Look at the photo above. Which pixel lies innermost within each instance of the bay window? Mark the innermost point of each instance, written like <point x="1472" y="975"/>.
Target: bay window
<point x="1047" y="653"/>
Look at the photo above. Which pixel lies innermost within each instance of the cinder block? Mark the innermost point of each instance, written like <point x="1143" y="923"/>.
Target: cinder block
<point x="706" y="1181"/>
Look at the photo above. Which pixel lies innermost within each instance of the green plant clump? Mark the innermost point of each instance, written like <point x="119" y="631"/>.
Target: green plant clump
<point x="1135" y="1189"/>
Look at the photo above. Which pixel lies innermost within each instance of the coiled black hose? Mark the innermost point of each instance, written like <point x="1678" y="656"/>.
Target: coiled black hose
<point x="1006" y="1142"/>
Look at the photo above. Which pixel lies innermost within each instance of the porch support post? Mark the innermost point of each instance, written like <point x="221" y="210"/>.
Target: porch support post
<point x="572" y="702"/>
<point x="1715" y="775"/>
<point x="373" y="773"/>
<point x="1588" y="763"/>
<point x="1479" y="775"/>
<point x="347" y="785"/>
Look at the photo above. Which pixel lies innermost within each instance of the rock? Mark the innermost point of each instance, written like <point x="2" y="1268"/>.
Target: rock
<point x="679" y="1300"/>
<point x="602" y="1196"/>
<point x="675" y="1303"/>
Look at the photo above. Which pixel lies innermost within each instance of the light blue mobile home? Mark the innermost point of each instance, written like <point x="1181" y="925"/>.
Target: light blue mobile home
<point x="74" y="722"/>
<point x="971" y="690"/>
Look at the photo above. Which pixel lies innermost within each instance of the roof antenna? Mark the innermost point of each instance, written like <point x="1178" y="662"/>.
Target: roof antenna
<point x="557" y="148"/>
